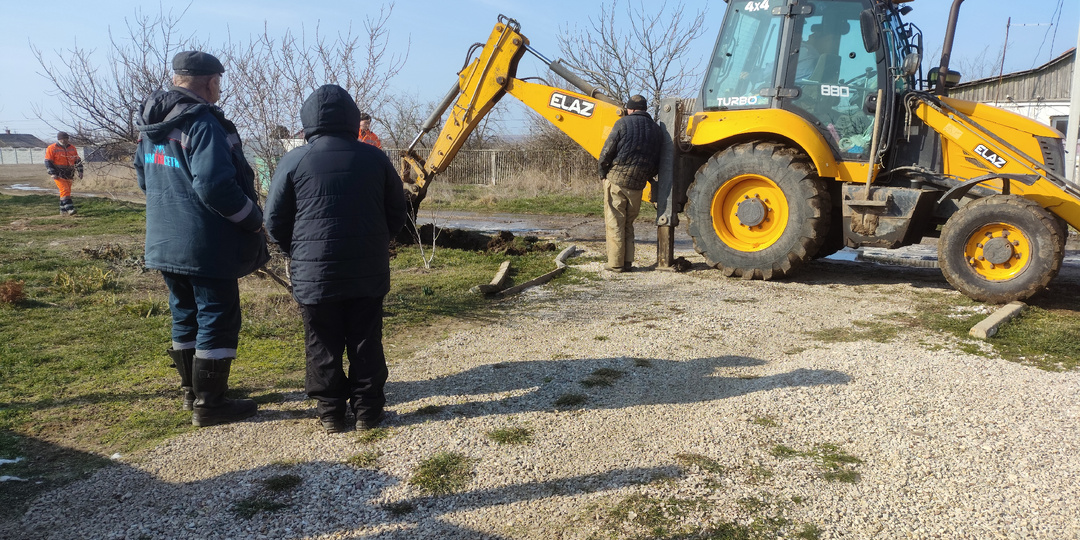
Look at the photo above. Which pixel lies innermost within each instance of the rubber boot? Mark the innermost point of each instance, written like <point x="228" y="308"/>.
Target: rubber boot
<point x="211" y="380"/>
<point x="182" y="360"/>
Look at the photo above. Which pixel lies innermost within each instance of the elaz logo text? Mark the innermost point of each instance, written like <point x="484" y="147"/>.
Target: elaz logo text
<point x="993" y="158"/>
<point x="572" y="104"/>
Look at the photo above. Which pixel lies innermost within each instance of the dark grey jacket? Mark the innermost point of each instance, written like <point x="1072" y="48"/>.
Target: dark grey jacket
<point x="202" y="218"/>
<point x="334" y="204"/>
<point x="631" y="155"/>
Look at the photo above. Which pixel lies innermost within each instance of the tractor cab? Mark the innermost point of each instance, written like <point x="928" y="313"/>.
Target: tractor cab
<point x="823" y="60"/>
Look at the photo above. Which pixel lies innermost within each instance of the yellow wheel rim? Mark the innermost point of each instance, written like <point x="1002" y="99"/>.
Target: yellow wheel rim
<point x="998" y="251"/>
<point x="749" y="212"/>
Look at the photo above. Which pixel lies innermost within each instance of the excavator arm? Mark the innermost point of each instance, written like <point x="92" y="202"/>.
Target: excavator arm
<point x="587" y="117"/>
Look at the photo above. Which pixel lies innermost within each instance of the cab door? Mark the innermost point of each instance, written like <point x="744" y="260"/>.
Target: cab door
<point x="744" y="64"/>
<point x="834" y="78"/>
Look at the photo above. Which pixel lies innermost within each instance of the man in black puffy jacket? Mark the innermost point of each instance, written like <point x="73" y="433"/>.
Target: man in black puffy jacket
<point x="629" y="160"/>
<point x="334" y="204"/>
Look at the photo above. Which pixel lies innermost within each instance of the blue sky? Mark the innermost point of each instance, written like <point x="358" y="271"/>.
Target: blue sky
<point x="439" y="32"/>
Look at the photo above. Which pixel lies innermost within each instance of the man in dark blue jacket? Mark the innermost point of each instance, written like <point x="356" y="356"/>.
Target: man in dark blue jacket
<point x="334" y="204"/>
<point x="629" y="159"/>
<point x="202" y="229"/>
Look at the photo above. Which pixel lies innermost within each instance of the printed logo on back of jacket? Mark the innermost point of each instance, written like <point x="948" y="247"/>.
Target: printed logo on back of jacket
<point x="158" y="157"/>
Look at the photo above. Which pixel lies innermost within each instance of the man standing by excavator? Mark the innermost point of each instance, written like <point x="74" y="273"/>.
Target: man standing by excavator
<point x="629" y="160"/>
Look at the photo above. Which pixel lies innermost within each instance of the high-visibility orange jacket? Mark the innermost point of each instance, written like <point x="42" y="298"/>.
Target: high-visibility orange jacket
<point x="370" y="137"/>
<point x="63" y="161"/>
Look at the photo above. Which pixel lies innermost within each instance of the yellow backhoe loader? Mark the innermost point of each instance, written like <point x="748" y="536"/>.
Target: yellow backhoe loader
<point x="815" y="128"/>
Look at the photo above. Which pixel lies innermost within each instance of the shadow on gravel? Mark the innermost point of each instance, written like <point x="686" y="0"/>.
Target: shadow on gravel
<point x="602" y="383"/>
<point x="824" y="271"/>
<point x="327" y="498"/>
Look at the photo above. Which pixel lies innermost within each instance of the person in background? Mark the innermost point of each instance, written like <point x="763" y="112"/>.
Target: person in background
<point x="366" y="135"/>
<point x="203" y="229"/>
<point x="629" y="159"/>
<point x="63" y="163"/>
<point x="334" y="205"/>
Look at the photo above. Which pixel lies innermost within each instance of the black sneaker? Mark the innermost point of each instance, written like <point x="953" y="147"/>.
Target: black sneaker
<point x="365" y="424"/>
<point x="334" y="425"/>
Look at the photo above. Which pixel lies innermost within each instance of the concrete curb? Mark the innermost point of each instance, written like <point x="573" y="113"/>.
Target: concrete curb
<point x="989" y="326"/>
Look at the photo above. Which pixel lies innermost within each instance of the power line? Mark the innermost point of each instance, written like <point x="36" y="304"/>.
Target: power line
<point x="1055" y="18"/>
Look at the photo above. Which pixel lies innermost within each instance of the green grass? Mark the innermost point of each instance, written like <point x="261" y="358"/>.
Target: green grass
<point x="82" y="354"/>
<point x="247" y="508"/>
<point x="443" y="473"/>
<point x="280" y="483"/>
<point x="370" y="436"/>
<point x="364" y="460"/>
<point x="602" y="377"/>
<point x="1044" y="336"/>
<point x="511" y="435"/>
<point x="835" y="464"/>
<point x="429" y="410"/>
<point x="878" y="331"/>
<point x="701" y="462"/>
<point x="570" y="400"/>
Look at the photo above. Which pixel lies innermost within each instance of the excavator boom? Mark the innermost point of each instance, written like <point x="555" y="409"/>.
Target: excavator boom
<point x="586" y="116"/>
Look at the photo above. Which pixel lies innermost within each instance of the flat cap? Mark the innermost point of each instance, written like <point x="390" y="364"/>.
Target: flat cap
<point x="637" y="102"/>
<point x="196" y="63"/>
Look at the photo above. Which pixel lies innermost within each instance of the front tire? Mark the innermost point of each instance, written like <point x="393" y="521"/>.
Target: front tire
<point x="758" y="210"/>
<point x="1000" y="249"/>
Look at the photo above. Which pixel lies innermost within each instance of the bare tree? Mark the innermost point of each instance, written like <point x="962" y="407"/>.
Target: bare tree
<point x="267" y="78"/>
<point x="102" y="103"/>
<point x="272" y="76"/>
<point x="643" y="50"/>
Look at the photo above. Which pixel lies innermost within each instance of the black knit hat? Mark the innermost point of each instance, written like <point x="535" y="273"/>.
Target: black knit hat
<point x="637" y="102"/>
<point x="196" y="63"/>
<point x="62" y="135"/>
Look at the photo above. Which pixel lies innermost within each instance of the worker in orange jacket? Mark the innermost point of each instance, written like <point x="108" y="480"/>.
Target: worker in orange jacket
<point x="63" y="163"/>
<point x="366" y="135"/>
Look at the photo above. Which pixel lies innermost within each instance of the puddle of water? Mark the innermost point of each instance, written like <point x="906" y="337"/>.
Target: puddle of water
<point x="488" y="227"/>
<point x="27" y="187"/>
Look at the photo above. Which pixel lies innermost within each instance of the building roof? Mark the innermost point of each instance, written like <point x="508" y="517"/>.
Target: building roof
<point x="21" y="140"/>
<point x="1050" y="81"/>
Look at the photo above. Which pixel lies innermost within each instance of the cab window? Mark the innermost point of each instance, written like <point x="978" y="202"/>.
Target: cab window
<point x="743" y="63"/>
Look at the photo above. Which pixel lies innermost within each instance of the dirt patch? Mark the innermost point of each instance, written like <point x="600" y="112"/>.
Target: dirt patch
<point x="503" y="242"/>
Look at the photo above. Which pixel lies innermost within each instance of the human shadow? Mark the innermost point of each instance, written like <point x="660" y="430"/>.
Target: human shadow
<point x="320" y="498"/>
<point x="597" y="383"/>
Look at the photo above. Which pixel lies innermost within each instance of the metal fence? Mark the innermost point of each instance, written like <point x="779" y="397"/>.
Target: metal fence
<point x="494" y="167"/>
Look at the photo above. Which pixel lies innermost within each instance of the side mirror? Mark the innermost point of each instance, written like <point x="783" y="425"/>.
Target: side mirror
<point x="911" y="64"/>
<point x="868" y="25"/>
<point x="951" y="78"/>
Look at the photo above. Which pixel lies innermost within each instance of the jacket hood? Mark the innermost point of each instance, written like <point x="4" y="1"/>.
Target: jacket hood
<point x="164" y="110"/>
<point x="330" y="110"/>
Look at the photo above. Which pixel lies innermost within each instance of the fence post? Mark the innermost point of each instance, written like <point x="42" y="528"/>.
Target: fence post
<point x="493" y="167"/>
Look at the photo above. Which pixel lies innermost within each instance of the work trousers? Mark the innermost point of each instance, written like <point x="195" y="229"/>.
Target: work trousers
<point x="621" y="207"/>
<point x="333" y="330"/>
<point x="205" y="313"/>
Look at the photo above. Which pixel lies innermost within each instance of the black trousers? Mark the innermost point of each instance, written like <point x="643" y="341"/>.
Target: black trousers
<point x="351" y="328"/>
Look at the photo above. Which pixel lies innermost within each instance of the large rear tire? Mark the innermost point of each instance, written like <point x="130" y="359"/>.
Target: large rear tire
<point x="758" y="210"/>
<point x="1000" y="249"/>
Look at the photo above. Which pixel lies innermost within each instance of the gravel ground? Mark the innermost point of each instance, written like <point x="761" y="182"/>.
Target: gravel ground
<point x="714" y="371"/>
